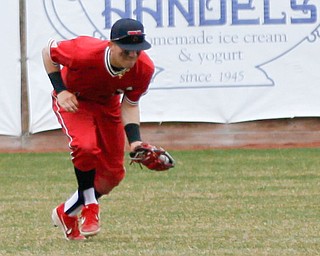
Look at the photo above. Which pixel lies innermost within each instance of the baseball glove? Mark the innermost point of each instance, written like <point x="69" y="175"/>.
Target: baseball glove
<point x="154" y="158"/>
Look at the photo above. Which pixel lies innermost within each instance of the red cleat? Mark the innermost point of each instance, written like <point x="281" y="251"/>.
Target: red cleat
<point x="68" y="224"/>
<point x="89" y="220"/>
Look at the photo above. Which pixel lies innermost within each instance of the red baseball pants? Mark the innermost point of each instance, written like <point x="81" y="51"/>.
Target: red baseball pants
<point x="96" y="139"/>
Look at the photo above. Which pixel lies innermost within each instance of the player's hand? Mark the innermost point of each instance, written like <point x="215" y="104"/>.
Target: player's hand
<point x="134" y="145"/>
<point x="68" y="101"/>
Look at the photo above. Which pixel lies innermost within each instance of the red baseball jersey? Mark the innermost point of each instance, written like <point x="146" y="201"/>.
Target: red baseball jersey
<point x="88" y="73"/>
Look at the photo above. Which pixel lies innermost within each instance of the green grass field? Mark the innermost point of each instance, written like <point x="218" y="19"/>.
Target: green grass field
<point x="214" y="202"/>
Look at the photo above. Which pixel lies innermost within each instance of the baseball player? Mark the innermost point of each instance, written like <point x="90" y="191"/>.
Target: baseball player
<point x="88" y="75"/>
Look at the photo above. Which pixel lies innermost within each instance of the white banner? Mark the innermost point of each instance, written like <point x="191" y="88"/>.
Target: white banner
<point x="219" y="61"/>
<point x="10" y="84"/>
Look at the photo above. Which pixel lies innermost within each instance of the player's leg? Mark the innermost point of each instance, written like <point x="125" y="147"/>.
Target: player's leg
<point x="74" y="204"/>
<point x="66" y="214"/>
<point x="85" y="199"/>
<point x="109" y="132"/>
<point x="90" y="216"/>
<point x="80" y="129"/>
<point x="110" y="165"/>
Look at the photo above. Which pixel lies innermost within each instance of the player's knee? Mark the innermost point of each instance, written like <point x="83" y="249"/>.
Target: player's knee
<point x="87" y="150"/>
<point x="117" y="178"/>
<point x="85" y="156"/>
<point x="104" y="185"/>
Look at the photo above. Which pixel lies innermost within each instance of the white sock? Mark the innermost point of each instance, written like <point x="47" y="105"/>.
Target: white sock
<point x="71" y="202"/>
<point x="89" y="196"/>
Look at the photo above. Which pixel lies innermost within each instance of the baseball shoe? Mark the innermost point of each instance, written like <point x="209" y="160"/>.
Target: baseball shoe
<point x="89" y="220"/>
<point x="68" y="224"/>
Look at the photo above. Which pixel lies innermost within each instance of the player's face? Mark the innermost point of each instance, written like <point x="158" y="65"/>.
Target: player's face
<point x="123" y="58"/>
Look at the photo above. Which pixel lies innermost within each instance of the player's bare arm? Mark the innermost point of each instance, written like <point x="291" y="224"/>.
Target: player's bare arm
<point x="66" y="99"/>
<point x="130" y="115"/>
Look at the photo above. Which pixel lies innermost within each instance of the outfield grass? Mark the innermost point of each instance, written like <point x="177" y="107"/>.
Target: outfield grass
<point x="215" y="202"/>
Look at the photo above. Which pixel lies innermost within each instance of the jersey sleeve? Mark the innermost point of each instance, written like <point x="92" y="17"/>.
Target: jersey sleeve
<point x="142" y="85"/>
<point x="61" y="52"/>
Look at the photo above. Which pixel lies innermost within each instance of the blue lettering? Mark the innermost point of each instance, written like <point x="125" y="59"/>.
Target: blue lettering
<point x="241" y="10"/>
<point x="236" y="7"/>
<point x="157" y="15"/>
<point x="268" y="19"/>
<point x="108" y="10"/>
<point x="204" y="4"/>
<point x="188" y="15"/>
<point x="305" y="8"/>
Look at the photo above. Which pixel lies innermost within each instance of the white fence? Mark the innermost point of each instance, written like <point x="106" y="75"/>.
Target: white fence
<point x="220" y="61"/>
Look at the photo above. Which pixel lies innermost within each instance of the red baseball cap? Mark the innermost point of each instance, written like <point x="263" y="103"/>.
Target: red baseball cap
<point x="129" y="34"/>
